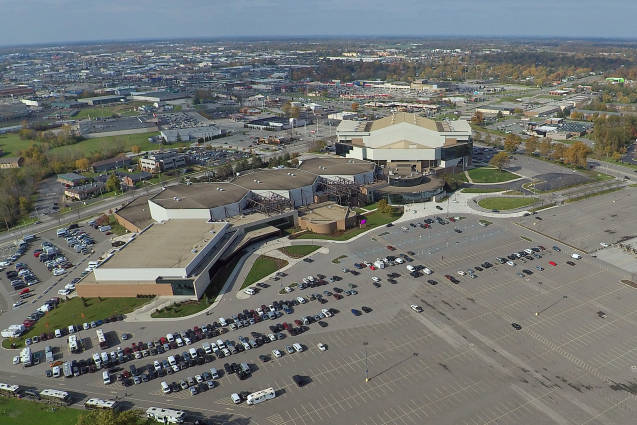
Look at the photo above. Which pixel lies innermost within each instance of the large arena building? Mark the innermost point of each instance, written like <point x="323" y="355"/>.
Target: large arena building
<point x="407" y="142"/>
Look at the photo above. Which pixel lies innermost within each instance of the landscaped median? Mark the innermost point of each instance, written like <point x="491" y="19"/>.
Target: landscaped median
<point x="491" y="175"/>
<point x="76" y="311"/>
<point x="298" y="251"/>
<point x="506" y="203"/>
<point x="263" y="266"/>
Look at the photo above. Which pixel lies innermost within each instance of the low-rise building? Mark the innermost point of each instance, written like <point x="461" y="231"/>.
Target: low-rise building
<point x="110" y="164"/>
<point x="116" y="126"/>
<point x="132" y="179"/>
<point x="71" y="179"/>
<point x="85" y="191"/>
<point x="208" y="132"/>
<point x="11" y="162"/>
<point x="162" y="161"/>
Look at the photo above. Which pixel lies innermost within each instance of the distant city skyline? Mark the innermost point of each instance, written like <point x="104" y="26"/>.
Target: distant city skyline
<point x="59" y="21"/>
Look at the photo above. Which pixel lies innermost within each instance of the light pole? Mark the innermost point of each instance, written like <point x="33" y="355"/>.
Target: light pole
<point x="366" y="369"/>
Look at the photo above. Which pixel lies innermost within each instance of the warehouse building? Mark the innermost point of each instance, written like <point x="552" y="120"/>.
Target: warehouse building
<point x="192" y="134"/>
<point x="115" y="127"/>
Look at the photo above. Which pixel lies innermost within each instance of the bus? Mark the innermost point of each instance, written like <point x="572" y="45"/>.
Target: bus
<point x="261" y="396"/>
<point x="167" y="416"/>
<point x="56" y="396"/>
<point x="99" y="404"/>
<point x="9" y="390"/>
<point x="101" y="338"/>
<point x="73" y="345"/>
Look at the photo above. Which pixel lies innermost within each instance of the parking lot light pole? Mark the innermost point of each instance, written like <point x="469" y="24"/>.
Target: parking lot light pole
<point x="366" y="369"/>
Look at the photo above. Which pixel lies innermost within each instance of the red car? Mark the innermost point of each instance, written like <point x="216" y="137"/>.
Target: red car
<point x="372" y="267"/>
<point x="297" y="322"/>
<point x="286" y="326"/>
<point x="25" y="290"/>
<point x="391" y="248"/>
<point x="552" y="263"/>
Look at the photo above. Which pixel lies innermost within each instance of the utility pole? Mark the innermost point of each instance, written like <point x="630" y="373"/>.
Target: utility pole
<point x="366" y="368"/>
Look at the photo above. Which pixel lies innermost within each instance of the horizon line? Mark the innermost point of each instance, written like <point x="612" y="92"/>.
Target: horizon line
<point x="257" y="38"/>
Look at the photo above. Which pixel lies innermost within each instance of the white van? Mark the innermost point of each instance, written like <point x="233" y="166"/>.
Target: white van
<point x="170" y="338"/>
<point x="58" y="333"/>
<point x="180" y="342"/>
<point x="223" y="322"/>
<point x="165" y="387"/>
<point x="235" y="398"/>
<point x="427" y="270"/>
<point x="106" y="377"/>
<point x="298" y="347"/>
<point x="56" y="371"/>
<point x="171" y="360"/>
<point x="71" y="329"/>
<point x="379" y="264"/>
<point x="576" y="256"/>
<point x="193" y="353"/>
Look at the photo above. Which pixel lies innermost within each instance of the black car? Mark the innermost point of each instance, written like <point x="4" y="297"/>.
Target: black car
<point x="376" y="284"/>
<point x="516" y="326"/>
<point x="570" y="263"/>
<point x="322" y="324"/>
<point x="432" y="282"/>
<point x="264" y="358"/>
<point x="366" y="309"/>
<point x="478" y="268"/>
<point x="438" y="207"/>
<point x="227" y="368"/>
<point x="527" y="272"/>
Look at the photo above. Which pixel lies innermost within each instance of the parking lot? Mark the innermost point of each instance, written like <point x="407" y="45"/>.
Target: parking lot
<point x="460" y="361"/>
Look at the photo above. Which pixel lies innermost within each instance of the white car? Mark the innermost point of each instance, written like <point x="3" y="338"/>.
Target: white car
<point x="427" y="270"/>
<point x="301" y="300"/>
<point x="288" y="289"/>
<point x="511" y="263"/>
<point x="416" y="308"/>
<point x="16" y="359"/>
<point x="399" y="260"/>
<point x="249" y="291"/>
<point x="18" y="303"/>
<point x="375" y="278"/>
<point x="411" y="268"/>
<point x="461" y="272"/>
<point x="604" y="244"/>
<point x="326" y="312"/>
<point x="277" y="353"/>
<point x="321" y="346"/>
<point x="272" y="337"/>
<point x="63" y="292"/>
<point x="58" y="272"/>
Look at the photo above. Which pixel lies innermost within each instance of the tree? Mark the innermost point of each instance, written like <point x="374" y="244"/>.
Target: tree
<point x="355" y="106"/>
<point x="616" y="156"/>
<point x="112" y="184"/>
<point x="384" y="207"/>
<point x="135" y="149"/>
<point x="576" y="154"/>
<point x="530" y="145"/>
<point x="558" y="152"/>
<point x="499" y="115"/>
<point x="500" y="160"/>
<point x="478" y="118"/>
<point x="110" y="417"/>
<point x="82" y="164"/>
<point x="545" y="148"/>
<point x="511" y="143"/>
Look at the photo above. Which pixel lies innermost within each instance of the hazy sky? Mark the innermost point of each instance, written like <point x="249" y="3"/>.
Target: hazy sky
<point x="38" y="21"/>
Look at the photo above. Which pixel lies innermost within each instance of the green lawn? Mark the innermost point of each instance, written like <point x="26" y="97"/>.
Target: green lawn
<point x="124" y="142"/>
<point x="298" y="251"/>
<point x="490" y="175"/>
<point x="263" y="266"/>
<point x="18" y="412"/>
<point x="106" y="111"/>
<point x="481" y="190"/>
<point x="374" y="219"/>
<point x="11" y="144"/>
<point x="73" y="311"/>
<point x="501" y="203"/>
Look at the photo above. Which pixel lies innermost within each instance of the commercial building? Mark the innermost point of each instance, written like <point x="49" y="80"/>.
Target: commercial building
<point x="162" y="161"/>
<point x="110" y="164"/>
<point x="275" y="123"/>
<point x="116" y="127"/>
<point x="407" y="141"/>
<point x="208" y="132"/>
<point x="101" y="100"/>
<point x="84" y="191"/>
<point x="71" y="179"/>
<point x="132" y="179"/>
<point x="157" y="96"/>
<point x="186" y="232"/>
